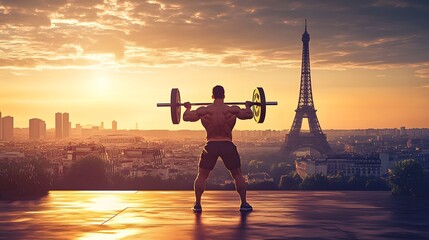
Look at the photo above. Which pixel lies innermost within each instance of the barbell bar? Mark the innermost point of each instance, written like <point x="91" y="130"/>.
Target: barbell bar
<point x="208" y="103"/>
<point x="259" y="105"/>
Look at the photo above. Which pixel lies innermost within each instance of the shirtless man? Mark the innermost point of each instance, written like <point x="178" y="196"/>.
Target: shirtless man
<point x="219" y="119"/>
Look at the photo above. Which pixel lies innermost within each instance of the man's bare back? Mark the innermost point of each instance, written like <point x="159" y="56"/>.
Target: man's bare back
<point x="218" y="118"/>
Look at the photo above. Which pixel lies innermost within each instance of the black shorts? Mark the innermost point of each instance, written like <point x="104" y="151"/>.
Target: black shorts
<point x="226" y="150"/>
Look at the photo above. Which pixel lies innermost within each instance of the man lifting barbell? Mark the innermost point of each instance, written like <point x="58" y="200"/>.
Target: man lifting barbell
<point x="219" y="119"/>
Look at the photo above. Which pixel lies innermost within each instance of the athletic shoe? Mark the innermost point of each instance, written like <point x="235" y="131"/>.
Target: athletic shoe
<point x="245" y="207"/>
<point x="197" y="208"/>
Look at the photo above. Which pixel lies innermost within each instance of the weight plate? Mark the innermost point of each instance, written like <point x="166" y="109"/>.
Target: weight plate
<point x="260" y="108"/>
<point x="175" y="105"/>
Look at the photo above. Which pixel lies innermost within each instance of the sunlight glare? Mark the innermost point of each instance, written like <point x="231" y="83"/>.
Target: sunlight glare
<point x="100" y="85"/>
<point x="106" y="203"/>
<point x="118" y="234"/>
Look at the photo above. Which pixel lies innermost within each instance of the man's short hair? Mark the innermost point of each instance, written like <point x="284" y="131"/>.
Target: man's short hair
<point x="218" y="92"/>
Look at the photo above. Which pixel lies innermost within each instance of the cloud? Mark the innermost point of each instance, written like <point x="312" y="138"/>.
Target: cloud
<point x="33" y="4"/>
<point x="231" y="60"/>
<point x="358" y="34"/>
<point x="107" y="44"/>
<point x="422" y="73"/>
<point x="86" y="3"/>
<point x="34" y="62"/>
<point x="24" y="19"/>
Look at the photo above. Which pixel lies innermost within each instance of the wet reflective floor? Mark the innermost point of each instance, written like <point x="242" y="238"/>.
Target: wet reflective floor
<point x="167" y="215"/>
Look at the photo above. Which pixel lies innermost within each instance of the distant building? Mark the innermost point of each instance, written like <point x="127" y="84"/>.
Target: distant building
<point x="114" y="125"/>
<point x="76" y="152"/>
<point x="306" y="167"/>
<point x="37" y="129"/>
<point x="7" y="128"/>
<point x="144" y="155"/>
<point x="419" y="153"/>
<point x="389" y="158"/>
<point x="62" y="125"/>
<point x="116" y="139"/>
<point x="58" y="125"/>
<point x="362" y="145"/>
<point x="347" y="165"/>
<point x="149" y="170"/>
<point x="15" y="156"/>
<point x="78" y="129"/>
<point x="418" y="143"/>
<point x="66" y="125"/>
<point x="402" y="131"/>
<point x="354" y="165"/>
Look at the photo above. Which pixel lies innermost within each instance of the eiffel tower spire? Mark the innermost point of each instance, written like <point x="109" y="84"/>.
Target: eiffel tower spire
<point x="305" y="94"/>
<point x="305" y="109"/>
<point x="305" y="25"/>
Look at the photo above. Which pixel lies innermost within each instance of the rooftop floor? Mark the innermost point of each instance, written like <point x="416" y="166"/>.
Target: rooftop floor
<point x="167" y="215"/>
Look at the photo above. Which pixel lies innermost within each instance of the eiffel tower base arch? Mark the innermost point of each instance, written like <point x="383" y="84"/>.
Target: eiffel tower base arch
<point x="293" y="143"/>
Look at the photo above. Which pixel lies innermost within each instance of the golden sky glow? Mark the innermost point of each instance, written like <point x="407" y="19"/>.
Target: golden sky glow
<point x="114" y="60"/>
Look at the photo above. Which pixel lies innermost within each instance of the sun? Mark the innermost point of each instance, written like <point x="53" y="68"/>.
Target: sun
<point x="100" y="85"/>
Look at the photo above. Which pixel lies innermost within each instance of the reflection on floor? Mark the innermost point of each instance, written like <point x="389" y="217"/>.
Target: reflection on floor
<point x="167" y="215"/>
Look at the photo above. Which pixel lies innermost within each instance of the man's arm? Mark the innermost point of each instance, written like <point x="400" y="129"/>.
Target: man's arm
<point x="192" y="115"/>
<point x="245" y="113"/>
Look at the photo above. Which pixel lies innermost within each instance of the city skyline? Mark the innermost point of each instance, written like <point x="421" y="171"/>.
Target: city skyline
<point x="114" y="126"/>
<point x="110" y="60"/>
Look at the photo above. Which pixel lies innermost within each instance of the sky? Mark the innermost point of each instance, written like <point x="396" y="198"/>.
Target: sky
<point x="104" y="60"/>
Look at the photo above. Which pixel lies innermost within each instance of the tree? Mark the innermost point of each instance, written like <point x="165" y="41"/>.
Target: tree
<point x="119" y="181"/>
<point x="339" y="182"/>
<point x="407" y="178"/>
<point x="291" y="181"/>
<point x="24" y="179"/>
<point x="181" y="182"/>
<point x="316" y="181"/>
<point x="277" y="170"/>
<point x="357" y="183"/>
<point x="258" y="166"/>
<point x="376" y="184"/>
<point x="88" y="173"/>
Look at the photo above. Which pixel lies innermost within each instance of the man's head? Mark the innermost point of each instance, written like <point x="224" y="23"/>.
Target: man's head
<point x="218" y="92"/>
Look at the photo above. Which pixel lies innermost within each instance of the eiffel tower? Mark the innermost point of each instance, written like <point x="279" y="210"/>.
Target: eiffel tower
<point x="314" y="139"/>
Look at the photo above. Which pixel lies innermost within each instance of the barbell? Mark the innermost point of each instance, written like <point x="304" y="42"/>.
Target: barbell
<point x="259" y="105"/>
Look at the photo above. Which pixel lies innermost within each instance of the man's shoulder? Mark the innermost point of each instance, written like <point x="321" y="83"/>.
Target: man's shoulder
<point x="234" y="108"/>
<point x="202" y="110"/>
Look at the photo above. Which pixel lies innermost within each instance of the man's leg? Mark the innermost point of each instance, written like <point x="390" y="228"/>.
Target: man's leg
<point x="200" y="183"/>
<point x="240" y="183"/>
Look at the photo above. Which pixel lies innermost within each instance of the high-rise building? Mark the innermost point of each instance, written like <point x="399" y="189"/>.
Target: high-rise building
<point x="1" y="128"/>
<point x="78" y="129"/>
<point x="42" y="129"/>
<point x="114" y="125"/>
<point x="33" y="128"/>
<point x="402" y="131"/>
<point x="37" y="129"/>
<point x="7" y="128"/>
<point x="62" y="125"/>
<point x="102" y="125"/>
<point x="58" y="125"/>
<point x="66" y="125"/>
